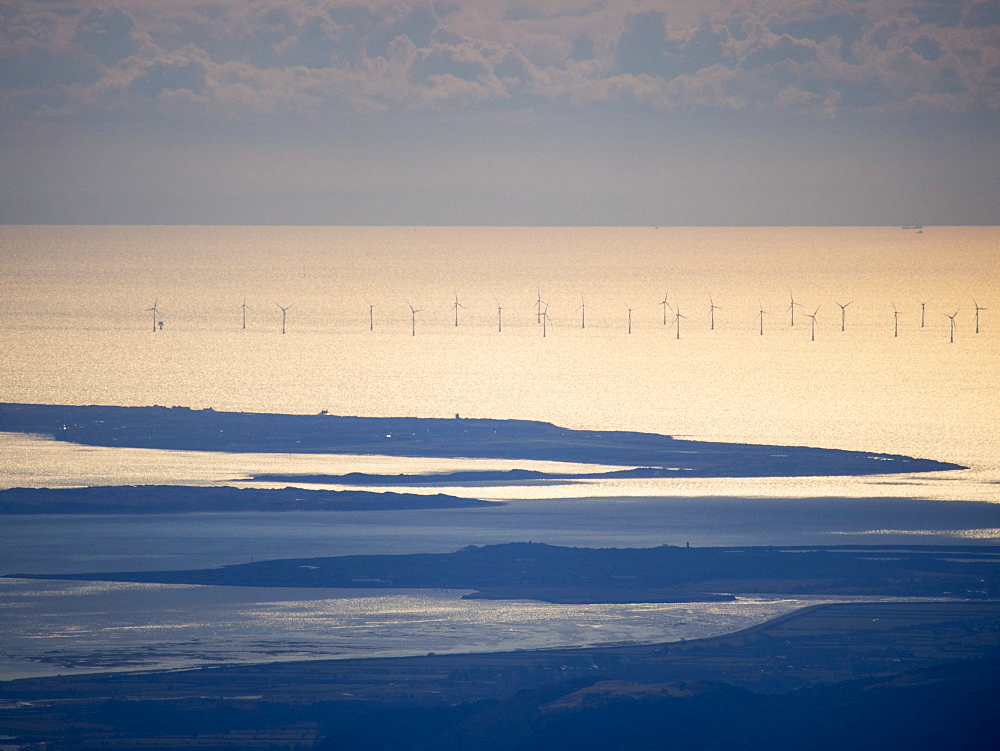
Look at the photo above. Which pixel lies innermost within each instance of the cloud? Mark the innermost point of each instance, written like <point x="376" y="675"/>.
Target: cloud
<point x="37" y="51"/>
<point x="983" y="14"/>
<point x="171" y="74"/>
<point x="646" y="47"/>
<point x="326" y="58"/>
<point x="784" y="48"/>
<point x="107" y="34"/>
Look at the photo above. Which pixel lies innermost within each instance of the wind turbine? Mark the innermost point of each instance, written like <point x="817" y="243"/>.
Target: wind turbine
<point x="665" y="305"/>
<point x="538" y="306"/>
<point x="760" y="315"/>
<point x="284" y="312"/>
<point x="245" y="309"/>
<point x="499" y="316"/>
<point x="677" y="318"/>
<point x="545" y="321"/>
<point x="711" y="311"/>
<point x="155" y="313"/>
<point x="843" y="314"/>
<point x="413" y="320"/>
<point x="952" y="317"/>
<point x="583" y="312"/>
<point x="791" y="307"/>
<point x="812" y="330"/>
<point x="977" y="314"/>
<point x="923" y="311"/>
<point x="456" y="306"/>
<point x="371" y="317"/>
<point x="895" y="320"/>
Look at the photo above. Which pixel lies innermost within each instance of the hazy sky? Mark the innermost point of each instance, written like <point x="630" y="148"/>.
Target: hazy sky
<point x="684" y="112"/>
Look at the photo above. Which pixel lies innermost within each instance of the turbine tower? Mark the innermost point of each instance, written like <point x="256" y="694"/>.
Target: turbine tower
<point x="977" y="314"/>
<point x="760" y="315"/>
<point x="952" y="318"/>
<point x="629" y="318"/>
<point x="812" y="328"/>
<point x="371" y="317"/>
<point x="923" y="311"/>
<point x="284" y="312"/>
<point x="583" y="312"/>
<point x="677" y="318"/>
<point x="413" y="320"/>
<point x="895" y="321"/>
<point x="665" y="305"/>
<point x="791" y="307"/>
<point x="456" y="306"/>
<point x="545" y="321"/>
<point x="499" y="316"/>
<point x="843" y="314"/>
<point x="155" y="311"/>
<point x="538" y="306"/>
<point x="245" y="309"/>
<point x="712" y="307"/>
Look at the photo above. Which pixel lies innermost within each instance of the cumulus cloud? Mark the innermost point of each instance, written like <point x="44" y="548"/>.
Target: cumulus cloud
<point x="107" y="34"/>
<point x="233" y="59"/>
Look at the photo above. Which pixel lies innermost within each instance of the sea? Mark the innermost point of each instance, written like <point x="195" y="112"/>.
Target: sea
<point x="881" y="339"/>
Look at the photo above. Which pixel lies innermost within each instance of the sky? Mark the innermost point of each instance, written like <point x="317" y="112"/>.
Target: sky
<point x="488" y="112"/>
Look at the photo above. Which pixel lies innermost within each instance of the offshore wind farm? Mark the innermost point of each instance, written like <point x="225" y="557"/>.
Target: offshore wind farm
<point x="369" y="318"/>
<point x="339" y="320"/>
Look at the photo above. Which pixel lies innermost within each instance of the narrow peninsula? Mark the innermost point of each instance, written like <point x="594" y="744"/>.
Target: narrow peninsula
<point x="186" y="499"/>
<point x="181" y="428"/>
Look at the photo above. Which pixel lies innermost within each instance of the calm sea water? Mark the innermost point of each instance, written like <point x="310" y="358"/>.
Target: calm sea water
<point x="75" y="328"/>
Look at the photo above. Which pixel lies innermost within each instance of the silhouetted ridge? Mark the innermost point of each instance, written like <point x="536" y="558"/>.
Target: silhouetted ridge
<point x="661" y="574"/>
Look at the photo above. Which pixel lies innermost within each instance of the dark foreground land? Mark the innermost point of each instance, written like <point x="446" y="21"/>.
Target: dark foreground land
<point x="657" y="455"/>
<point x="848" y="676"/>
<point x="607" y="575"/>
